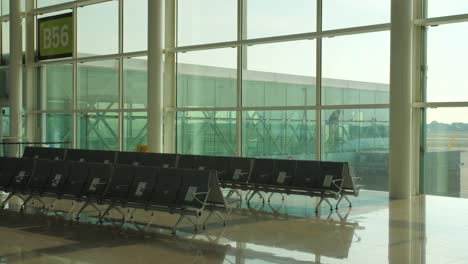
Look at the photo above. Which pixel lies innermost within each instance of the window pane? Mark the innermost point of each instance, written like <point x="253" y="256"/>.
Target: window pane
<point x="280" y="74"/>
<point x="135" y="82"/>
<point x="59" y="128"/>
<point x="3" y="85"/>
<point x="207" y="133"/>
<point x="98" y="131"/>
<point x="43" y="3"/>
<point x="98" y="29"/>
<point x="356" y="69"/>
<point x="98" y="85"/>
<point x="345" y="13"/>
<point x="446" y="56"/>
<point x="5" y="43"/>
<point x="56" y="82"/>
<point x="445" y="168"/>
<point x="207" y="78"/>
<point x="360" y="137"/>
<point x="5" y="7"/>
<point x="135" y="25"/>
<point x="135" y="130"/>
<point x="5" y="121"/>
<point x="266" y="18"/>
<point x="446" y="7"/>
<point x="279" y="134"/>
<point x="4" y="129"/>
<point x="206" y="21"/>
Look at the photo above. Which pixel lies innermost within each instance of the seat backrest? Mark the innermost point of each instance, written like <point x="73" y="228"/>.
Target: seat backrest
<point x="120" y="183"/>
<point x="186" y="161"/>
<point x="97" y="156"/>
<point x="203" y="162"/>
<point x="130" y="158"/>
<point x="58" y="177"/>
<point x="193" y="182"/>
<point x="41" y="175"/>
<point x="222" y="165"/>
<point x="77" y="178"/>
<point x="240" y="170"/>
<point x="44" y="153"/>
<point x="99" y="175"/>
<point x="144" y="180"/>
<point x="330" y="174"/>
<point x="166" y="191"/>
<point x="285" y="171"/>
<point x="306" y="175"/>
<point x="7" y="170"/>
<point x="161" y="160"/>
<point x="24" y="171"/>
<point x="263" y="171"/>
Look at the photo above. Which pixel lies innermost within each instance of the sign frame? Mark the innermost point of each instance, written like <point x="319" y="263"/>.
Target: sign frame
<point x="71" y="37"/>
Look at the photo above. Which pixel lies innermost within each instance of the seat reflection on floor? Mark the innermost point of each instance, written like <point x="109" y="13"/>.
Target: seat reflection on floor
<point x="330" y="235"/>
<point x="424" y="229"/>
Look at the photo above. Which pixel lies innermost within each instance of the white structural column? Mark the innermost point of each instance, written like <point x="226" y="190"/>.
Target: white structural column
<point x="30" y="85"/>
<point x="15" y="89"/>
<point x="155" y="75"/>
<point x="169" y="77"/>
<point x="400" y="182"/>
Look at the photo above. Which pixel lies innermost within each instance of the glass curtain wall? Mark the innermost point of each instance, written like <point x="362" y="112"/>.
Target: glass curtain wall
<point x="97" y="98"/>
<point x="444" y="144"/>
<point x="264" y="79"/>
<point x="4" y="70"/>
<point x="282" y="79"/>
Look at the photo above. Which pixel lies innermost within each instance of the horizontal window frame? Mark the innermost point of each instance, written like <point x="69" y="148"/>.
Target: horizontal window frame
<point x="440" y="104"/>
<point x="442" y="20"/>
<point x="278" y="108"/>
<point x="284" y="38"/>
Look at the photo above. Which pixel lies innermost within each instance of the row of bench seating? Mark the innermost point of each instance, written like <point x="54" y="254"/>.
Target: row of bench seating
<point x="182" y="191"/>
<point x="322" y="179"/>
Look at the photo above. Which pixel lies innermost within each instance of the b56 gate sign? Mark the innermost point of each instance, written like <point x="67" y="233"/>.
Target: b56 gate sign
<point x="55" y="36"/>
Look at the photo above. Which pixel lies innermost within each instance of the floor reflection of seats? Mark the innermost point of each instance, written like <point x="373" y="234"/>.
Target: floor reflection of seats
<point x="330" y="235"/>
<point x="46" y="240"/>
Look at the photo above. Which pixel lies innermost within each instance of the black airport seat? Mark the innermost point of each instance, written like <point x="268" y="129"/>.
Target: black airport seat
<point x="306" y="175"/>
<point x="77" y="178"/>
<point x="99" y="175"/>
<point x="203" y="162"/>
<point x="131" y="158"/>
<point x="187" y="162"/>
<point x="162" y="160"/>
<point x="97" y="156"/>
<point x="284" y="173"/>
<point x="166" y="192"/>
<point x="58" y="177"/>
<point x="238" y="172"/>
<point x="44" y="153"/>
<point x="144" y="181"/>
<point x="331" y="175"/>
<point x="24" y="171"/>
<point x="41" y="175"/>
<point x="263" y="172"/>
<point x="120" y="183"/>
<point x="222" y="166"/>
<point x="194" y="189"/>
<point x="7" y="171"/>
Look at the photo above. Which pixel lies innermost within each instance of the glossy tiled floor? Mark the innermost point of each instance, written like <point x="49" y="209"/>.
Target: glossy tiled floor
<point x="425" y="229"/>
